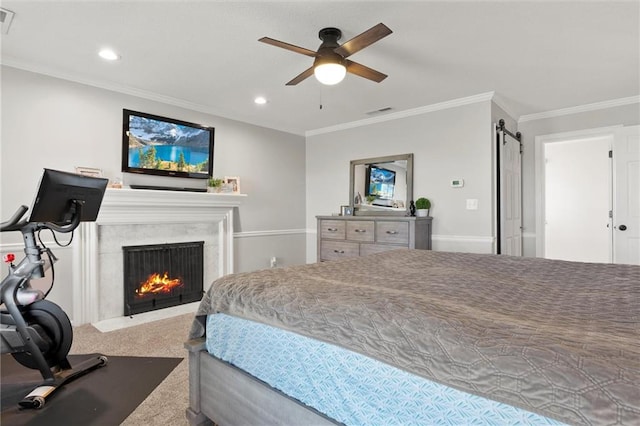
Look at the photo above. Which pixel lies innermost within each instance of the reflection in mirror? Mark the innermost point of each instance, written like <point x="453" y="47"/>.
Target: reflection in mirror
<point x="381" y="186"/>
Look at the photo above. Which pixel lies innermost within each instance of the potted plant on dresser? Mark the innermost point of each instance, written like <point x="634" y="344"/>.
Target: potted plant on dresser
<point x="422" y="207"/>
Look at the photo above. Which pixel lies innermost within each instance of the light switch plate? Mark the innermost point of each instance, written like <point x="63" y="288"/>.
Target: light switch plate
<point x="472" y="204"/>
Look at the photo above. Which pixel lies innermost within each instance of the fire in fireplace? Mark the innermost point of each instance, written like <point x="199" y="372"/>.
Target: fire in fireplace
<point x="162" y="275"/>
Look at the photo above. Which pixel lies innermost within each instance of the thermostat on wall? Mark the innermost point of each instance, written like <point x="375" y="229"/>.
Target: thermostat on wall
<point x="457" y="183"/>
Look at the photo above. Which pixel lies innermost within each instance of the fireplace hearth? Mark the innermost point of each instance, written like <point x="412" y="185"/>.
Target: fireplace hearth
<point x="162" y="275"/>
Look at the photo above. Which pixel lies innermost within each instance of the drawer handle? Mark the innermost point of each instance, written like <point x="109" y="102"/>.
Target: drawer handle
<point x="392" y="232"/>
<point x="339" y="251"/>
<point x="332" y="229"/>
<point x="360" y="230"/>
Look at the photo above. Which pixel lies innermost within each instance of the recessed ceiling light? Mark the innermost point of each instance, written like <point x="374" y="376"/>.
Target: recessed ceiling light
<point x="260" y="100"/>
<point x="108" y="54"/>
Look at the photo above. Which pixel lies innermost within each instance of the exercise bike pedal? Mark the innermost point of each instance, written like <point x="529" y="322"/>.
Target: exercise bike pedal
<point x="37" y="398"/>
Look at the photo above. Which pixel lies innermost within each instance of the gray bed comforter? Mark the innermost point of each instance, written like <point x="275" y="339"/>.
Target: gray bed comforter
<point x="558" y="338"/>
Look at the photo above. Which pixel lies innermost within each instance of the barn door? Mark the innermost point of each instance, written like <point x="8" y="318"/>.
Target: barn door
<point x="510" y="190"/>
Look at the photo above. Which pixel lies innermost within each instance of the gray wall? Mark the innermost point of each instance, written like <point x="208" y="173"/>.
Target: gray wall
<point x="58" y="124"/>
<point x="627" y="115"/>
<point x="447" y="144"/>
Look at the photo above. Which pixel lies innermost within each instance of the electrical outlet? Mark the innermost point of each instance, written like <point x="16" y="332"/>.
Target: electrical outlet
<point x="273" y="262"/>
<point x="472" y="204"/>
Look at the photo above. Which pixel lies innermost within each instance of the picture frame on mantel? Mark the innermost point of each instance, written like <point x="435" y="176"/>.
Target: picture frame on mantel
<point x="234" y="181"/>
<point x="89" y="171"/>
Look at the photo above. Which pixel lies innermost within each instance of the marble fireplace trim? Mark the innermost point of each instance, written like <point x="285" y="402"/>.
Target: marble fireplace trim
<point x="146" y="207"/>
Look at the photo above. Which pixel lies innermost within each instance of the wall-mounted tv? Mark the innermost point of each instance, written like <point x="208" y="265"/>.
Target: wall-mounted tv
<point x="381" y="182"/>
<point x="166" y="147"/>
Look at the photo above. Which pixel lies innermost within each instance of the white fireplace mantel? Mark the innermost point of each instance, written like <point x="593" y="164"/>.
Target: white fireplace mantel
<point x="146" y="207"/>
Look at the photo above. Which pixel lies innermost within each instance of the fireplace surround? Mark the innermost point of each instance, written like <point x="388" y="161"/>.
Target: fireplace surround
<point x="137" y="217"/>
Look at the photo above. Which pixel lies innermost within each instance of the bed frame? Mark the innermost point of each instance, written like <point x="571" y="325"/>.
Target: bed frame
<point x="546" y="331"/>
<point x="226" y="395"/>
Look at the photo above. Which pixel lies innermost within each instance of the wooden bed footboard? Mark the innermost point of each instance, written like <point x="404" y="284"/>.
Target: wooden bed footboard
<point x="197" y="349"/>
<point x="228" y="396"/>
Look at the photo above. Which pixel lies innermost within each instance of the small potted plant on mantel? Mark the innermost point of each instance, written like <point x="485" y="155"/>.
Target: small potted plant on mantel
<point x="214" y="185"/>
<point x="422" y="207"/>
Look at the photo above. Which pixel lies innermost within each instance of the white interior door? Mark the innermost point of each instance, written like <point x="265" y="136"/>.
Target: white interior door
<point x="577" y="200"/>
<point x="510" y="195"/>
<point x="626" y="211"/>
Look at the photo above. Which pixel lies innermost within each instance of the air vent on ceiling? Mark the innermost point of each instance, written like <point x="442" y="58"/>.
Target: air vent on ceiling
<point x="379" y="111"/>
<point x="6" y="16"/>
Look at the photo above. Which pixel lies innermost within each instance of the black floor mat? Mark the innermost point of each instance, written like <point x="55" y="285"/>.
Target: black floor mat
<point x="105" y="396"/>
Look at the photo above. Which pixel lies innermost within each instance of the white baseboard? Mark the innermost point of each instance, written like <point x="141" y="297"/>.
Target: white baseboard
<point x="463" y="243"/>
<point x="272" y="233"/>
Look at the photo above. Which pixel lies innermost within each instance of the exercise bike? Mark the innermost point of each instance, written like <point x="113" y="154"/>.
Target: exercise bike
<point x="36" y="331"/>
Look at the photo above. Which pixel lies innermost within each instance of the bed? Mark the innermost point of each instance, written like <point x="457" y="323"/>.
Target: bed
<point x="420" y="337"/>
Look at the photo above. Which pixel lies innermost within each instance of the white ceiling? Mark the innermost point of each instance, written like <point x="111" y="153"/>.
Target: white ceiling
<point x="536" y="56"/>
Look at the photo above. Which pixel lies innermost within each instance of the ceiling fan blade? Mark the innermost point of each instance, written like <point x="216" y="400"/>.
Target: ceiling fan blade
<point x="303" y="75"/>
<point x="363" y="40"/>
<point x="366" y="72"/>
<point x="288" y="46"/>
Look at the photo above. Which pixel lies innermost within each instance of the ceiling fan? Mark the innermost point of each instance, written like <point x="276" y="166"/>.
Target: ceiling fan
<point x="331" y="63"/>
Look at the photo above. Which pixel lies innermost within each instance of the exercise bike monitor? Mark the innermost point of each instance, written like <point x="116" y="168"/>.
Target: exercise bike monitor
<point x="58" y="190"/>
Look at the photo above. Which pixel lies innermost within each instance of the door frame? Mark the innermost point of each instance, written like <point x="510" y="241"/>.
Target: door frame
<point x="540" y="142"/>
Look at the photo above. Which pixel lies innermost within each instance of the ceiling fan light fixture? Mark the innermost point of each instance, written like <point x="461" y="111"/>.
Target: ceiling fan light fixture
<point x="330" y="73"/>
<point x="330" y="64"/>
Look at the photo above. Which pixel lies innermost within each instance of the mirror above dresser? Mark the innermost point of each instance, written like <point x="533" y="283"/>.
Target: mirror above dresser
<point x="381" y="186"/>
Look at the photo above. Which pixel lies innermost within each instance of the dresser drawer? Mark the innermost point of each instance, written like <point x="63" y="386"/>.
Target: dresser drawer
<point x="332" y="250"/>
<point x="392" y="232"/>
<point x="333" y="229"/>
<point x="340" y="237"/>
<point x="361" y="230"/>
<point x="366" y="249"/>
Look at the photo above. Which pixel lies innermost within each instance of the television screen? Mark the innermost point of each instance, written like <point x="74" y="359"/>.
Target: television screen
<point x="382" y="182"/>
<point x="163" y="146"/>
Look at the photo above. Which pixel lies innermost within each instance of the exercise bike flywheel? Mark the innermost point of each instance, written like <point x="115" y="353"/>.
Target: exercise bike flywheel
<point x="53" y="325"/>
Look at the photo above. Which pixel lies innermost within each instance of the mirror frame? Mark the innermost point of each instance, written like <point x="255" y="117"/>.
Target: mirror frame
<point x="375" y="160"/>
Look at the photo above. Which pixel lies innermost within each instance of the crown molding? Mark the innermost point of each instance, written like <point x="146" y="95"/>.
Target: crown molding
<point x="580" y="108"/>
<point x="404" y="114"/>
<point x="119" y="88"/>
<point x="498" y="100"/>
<point x="502" y="103"/>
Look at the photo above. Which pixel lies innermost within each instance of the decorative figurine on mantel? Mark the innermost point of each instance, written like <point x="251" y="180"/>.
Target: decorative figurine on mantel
<point x="412" y="208"/>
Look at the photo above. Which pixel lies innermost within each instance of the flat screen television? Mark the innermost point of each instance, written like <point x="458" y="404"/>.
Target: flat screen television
<point x="166" y="147"/>
<point x="58" y="189"/>
<point x="381" y="182"/>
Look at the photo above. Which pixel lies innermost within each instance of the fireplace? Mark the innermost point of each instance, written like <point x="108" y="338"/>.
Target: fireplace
<point x="162" y="275"/>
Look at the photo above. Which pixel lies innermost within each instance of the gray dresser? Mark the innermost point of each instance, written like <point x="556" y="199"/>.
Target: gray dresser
<point x="348" y="236"/>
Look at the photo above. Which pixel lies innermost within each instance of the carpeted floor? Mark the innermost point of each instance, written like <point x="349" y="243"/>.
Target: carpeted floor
<point x="164" y="338"/>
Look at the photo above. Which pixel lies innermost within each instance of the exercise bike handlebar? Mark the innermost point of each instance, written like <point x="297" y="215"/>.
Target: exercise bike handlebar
<point x="15" y="224"/>
<point x="76" y="213"/>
